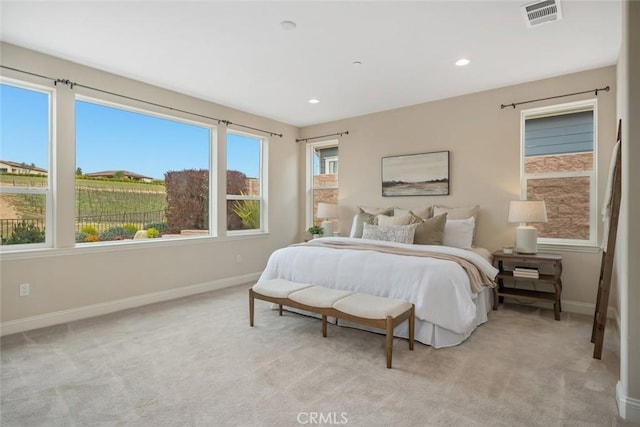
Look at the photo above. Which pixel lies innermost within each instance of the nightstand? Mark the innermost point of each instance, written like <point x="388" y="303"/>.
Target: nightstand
<point x="550" y="272"/>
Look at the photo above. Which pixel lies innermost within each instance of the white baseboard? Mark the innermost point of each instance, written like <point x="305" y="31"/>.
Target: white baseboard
<point x="628" y="408"/>
<point x="64" y="316"/>
<point x="583" y="308"/>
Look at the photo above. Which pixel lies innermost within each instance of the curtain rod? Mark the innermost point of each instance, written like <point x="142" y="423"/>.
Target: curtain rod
<point x="503" y="106"/>
<point x="322" y="136"/>
<point x="71" y="85"/>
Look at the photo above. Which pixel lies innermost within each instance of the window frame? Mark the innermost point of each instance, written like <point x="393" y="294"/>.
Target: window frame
<point x="213" y="177"/>
<point x="310" y="173"/>
<point x="557" y="110"/>
<point x="48" y="192"/>
<point x="262" y="199"/>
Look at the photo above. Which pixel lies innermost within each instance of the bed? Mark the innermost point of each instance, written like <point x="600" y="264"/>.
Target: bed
<point x="449" y="302"/>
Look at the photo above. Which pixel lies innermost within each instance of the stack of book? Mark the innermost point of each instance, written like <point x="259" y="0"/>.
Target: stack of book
<point x="526" y="272"/>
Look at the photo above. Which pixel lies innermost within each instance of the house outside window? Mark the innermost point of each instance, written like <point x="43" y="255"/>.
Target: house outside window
<point x="245" y="183"/>
<point x="558" y="165"/>
<point x="322" y="178"/>
<point x="26" y="208"/>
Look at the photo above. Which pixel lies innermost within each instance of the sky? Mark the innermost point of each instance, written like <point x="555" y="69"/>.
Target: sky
<point x="112" y="139"/>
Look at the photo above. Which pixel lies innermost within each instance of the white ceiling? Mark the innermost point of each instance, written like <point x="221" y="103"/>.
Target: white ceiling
<point x="236" y="53"/>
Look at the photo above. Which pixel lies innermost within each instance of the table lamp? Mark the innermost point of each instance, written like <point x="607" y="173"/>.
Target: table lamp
<point x="524" y="212"/>
<point x="327" y="212"/>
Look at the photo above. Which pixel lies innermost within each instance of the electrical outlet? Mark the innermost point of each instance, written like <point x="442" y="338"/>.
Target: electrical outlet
<point x="24" y="289"/>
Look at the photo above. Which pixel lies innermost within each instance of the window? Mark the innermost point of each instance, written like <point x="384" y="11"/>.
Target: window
<point x="331" y="164"/>
<point x="245" y="210"/>
<point x="558" y="166"/>
<point x="140" y="175"/>
<point x="322" y="178"/>
<point x="25" y="178"/>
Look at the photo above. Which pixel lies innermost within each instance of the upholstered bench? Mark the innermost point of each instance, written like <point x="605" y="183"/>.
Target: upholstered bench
<point x="365" y="309"/>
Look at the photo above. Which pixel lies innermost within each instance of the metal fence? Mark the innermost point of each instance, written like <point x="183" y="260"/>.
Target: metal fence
<point x="99" y="222"/>
<point x="8" y="225"/>
<point x="102" y="222"/>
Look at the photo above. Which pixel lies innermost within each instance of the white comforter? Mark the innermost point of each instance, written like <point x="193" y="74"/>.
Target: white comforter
<point x="439" y="289"/>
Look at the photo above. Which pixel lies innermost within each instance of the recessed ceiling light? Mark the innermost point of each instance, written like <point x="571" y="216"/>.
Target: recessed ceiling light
<point x="462" y="62"/>
<point x="314" y="101"/>
<point x="288" y="25"/>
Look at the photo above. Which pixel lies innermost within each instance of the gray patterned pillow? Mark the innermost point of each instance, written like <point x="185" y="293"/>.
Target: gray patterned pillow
<point x="395" y="233"/>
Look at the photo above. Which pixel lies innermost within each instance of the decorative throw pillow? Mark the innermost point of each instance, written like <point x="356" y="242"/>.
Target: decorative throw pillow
<point x="431" y="231"/>
<point x="395" y="233"/>
<point x="359" y="220"/>
<point x="460" y="213"/>
<point x="458" y="233"/>
<point x="425" y="212"/>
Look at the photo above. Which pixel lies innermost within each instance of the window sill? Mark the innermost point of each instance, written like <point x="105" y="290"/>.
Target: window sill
<point x="563" y="247"/>
<point x="124" y="245"/>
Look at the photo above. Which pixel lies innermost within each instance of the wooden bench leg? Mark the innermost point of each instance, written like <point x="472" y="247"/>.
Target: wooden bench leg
<point x="389" y="345"/>
<point x="324" y="325"/>
<point x="280" y="309"/>
<point x="412" y="326"/>
<point x="251" y="302"/>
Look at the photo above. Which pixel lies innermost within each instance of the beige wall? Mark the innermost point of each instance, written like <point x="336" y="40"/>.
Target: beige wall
<point x="66" y="280"/>
<point x="484" y="162"/>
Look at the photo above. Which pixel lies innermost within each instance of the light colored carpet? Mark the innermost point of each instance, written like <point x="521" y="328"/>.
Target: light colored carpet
<point x="195" y="361"/>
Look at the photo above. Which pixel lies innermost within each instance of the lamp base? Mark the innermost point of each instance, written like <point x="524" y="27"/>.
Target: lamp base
<point x="526" y="239"/>
<point x="328" y="228"/>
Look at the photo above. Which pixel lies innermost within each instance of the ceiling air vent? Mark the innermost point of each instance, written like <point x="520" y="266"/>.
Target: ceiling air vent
<point x="542" y="12"/>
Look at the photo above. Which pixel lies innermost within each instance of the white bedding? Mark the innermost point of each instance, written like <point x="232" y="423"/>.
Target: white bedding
<point x="447" y="311"/>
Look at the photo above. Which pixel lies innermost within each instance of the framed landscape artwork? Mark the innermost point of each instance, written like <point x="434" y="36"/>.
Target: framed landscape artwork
<point x="425" y="174"/>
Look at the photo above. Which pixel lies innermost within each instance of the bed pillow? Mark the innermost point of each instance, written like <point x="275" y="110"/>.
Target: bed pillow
<point x="395" y="233"/>
<point x="430" y="231"/>
<point x="359" y="220"/>
<point x="424" y="212"/>
<point x="405" y="219"/>
<point x="460" y="213"/>
<point x="458" y="233"/>
<point x="376" y="211"/>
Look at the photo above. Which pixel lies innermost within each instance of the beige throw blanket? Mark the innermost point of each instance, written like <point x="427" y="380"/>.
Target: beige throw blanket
<point x="477" y="278"/>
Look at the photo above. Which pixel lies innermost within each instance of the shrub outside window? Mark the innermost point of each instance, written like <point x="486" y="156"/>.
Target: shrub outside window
<point x="245" y="199"/>
<point x="559" y="166"/>
<point x="25" y="172"/>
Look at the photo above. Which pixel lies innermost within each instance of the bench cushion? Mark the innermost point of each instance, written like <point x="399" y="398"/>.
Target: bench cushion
<point x="278" y="288"/>
<point x="319" y="296"/>
<point x="371" y="306"/>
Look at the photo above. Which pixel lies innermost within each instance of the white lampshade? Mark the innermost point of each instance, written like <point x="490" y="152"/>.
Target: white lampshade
<point x="327" y="210"/>
<point x="523" y="212"/>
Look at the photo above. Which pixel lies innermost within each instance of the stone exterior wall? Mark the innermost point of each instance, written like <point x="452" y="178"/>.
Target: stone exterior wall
<point x="559" y="163"/>
<point x="325" y="195"/>
<point x="567" y="199"/>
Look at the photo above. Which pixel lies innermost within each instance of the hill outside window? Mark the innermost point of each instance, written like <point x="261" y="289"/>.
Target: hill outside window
<point x="26" y="215"/>
<point x="140" y="175"/>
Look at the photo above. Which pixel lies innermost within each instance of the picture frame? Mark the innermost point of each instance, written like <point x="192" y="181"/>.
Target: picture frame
<point x="423" y="174"/>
